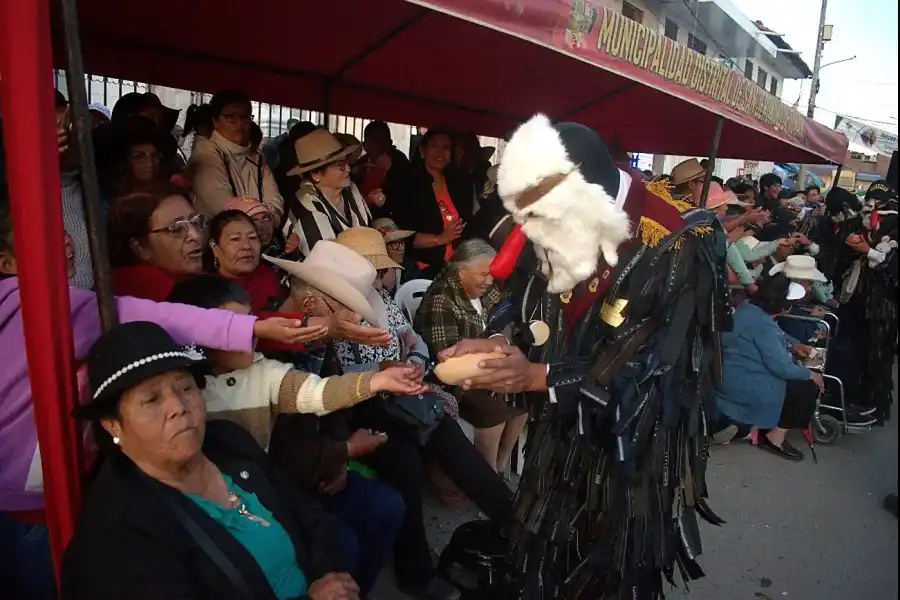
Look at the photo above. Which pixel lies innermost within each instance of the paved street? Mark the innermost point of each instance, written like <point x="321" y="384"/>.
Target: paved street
<point x="798" y="531"/>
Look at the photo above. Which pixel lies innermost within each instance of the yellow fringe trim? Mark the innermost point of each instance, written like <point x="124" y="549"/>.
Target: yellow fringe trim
<point x="651" y="232"/>
<point x="662" y="189"/>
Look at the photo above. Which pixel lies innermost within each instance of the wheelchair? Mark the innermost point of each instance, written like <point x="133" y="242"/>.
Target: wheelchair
<point x="831" y="419"/>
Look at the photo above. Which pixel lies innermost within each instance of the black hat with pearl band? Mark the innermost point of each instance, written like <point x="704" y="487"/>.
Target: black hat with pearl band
<point x="129" y="354"/>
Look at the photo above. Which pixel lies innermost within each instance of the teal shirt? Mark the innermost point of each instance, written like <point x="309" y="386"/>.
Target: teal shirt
<point x="270" y="547"/>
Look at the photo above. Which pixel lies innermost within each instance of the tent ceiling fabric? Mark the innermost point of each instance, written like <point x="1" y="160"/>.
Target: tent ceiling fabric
<point x="407" y="63"/>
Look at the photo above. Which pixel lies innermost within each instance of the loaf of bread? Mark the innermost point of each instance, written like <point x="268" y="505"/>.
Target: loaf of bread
<point x="454" y="371"/>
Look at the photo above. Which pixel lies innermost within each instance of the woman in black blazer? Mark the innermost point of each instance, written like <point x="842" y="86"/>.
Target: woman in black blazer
<point x="148" y="530"/>
<point x="434" y="200"/>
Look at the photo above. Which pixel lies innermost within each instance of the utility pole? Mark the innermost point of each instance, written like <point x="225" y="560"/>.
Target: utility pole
<point x="814" y="91"/>
<point x="817" y="65"/>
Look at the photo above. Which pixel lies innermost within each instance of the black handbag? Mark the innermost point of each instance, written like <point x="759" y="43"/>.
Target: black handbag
<point x="419" y="415"/>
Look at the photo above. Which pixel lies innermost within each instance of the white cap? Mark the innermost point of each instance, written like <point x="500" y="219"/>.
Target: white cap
<point x="795" y="291"/>
<point x="101" y="108"/>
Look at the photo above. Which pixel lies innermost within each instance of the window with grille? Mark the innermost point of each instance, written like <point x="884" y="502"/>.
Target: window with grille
<point x="629" y="11"/>
<point x="773" y="86"/>
<point x="762" y="78"/>
<point x="748" y="70"/>
<point x="671" y="29"/>
<point x="696" y="44"/>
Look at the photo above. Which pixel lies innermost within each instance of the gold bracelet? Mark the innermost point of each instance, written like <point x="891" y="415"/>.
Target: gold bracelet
<point x="359" y="379"/>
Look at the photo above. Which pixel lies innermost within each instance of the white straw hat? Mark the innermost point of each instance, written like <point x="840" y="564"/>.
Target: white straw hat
<point x="799" y="267"/>
<point x="342" y="274"/>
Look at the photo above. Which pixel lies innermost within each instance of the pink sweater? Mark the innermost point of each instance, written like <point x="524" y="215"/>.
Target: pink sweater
<point x="21" y="480"/>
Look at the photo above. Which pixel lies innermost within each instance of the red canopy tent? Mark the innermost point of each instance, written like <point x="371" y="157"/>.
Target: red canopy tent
<point x="483" y="65"/>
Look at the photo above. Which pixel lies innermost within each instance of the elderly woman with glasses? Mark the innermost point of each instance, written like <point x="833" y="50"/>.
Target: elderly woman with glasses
<point x="155" y="238"/>
<point x="226" y="165"/>
<point x="328" y="202"/>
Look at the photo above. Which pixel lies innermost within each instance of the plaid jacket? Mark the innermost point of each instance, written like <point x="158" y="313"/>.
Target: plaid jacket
<point x="446" y="315"/>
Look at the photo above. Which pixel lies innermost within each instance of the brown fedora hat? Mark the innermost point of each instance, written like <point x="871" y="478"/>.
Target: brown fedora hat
<point x="687" y="171"/>
<point x="317" y="149"/>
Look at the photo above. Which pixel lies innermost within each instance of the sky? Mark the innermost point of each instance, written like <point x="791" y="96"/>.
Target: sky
<point x="865" y="87"/>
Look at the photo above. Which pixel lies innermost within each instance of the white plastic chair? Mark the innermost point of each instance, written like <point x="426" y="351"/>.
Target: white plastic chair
<point x="409" y="296"/>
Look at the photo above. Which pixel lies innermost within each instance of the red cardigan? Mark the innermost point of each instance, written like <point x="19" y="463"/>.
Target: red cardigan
<point x="262" y="285"/>
<point x="143" y="281"/>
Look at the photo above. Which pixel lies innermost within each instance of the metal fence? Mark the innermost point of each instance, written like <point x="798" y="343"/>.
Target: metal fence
<point x="272" y="118"/>
<point x="106" y="90"/>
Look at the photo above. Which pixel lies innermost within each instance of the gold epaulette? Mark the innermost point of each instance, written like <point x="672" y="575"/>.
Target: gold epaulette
<point x="661" y="189"/>
<point x="651" y="232"/>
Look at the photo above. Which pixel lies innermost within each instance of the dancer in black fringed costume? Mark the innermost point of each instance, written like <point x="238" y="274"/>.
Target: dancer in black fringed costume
<point x="873" y="303"/>
<point x="633" y="285"/>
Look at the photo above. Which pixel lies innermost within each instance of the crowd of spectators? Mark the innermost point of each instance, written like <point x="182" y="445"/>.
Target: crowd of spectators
<point x="301" y="442"/>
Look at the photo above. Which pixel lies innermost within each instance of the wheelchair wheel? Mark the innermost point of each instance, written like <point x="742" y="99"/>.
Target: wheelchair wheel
<point x="827" y="430"/>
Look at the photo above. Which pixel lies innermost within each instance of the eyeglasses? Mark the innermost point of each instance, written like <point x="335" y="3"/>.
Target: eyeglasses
<point x="340" y="164"/>
<point x="233" y="118"/>
<point x="263" y="219"/>
<point x="180" y="229"/>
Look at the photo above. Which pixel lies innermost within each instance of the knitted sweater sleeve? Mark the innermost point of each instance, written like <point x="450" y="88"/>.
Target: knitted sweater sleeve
<point x="302" y="392"/>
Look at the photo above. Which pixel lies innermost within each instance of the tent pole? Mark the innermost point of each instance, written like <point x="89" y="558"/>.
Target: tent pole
<point x="84" y="144"/>
<point x="837" y="177"/>
<point x="711" y="165"/>
<point x="34" y="189"/>
<point x="326" y="105"/>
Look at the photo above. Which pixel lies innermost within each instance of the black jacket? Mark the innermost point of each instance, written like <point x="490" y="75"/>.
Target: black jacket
<point x="130" y="544"/>
<point x="415" y="207"/>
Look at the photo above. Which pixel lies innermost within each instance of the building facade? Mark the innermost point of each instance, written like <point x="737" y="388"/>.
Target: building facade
<point x="718" y="29"/>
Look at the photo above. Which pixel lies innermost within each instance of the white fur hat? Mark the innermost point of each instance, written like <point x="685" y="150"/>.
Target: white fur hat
<point x="560" y="183"/>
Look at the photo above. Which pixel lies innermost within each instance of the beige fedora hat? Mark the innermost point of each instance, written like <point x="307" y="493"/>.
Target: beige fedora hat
<point x="687" y="171"/>
<point x="733" y="200"/>
<point x="343" y="275"/>
<point x="317" y="149"/>
<point x="370" y="244"/>
<point x="390" y="231"/>
<point x="799" y="267"/>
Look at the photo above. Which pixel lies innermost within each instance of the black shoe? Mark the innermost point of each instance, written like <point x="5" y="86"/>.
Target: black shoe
<point x="436" y="589"/>
<point x="890" y="504"/>
<point x="785" y="450"/>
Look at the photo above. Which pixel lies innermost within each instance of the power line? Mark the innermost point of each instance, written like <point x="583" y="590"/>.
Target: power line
<point x="834" y="112"/>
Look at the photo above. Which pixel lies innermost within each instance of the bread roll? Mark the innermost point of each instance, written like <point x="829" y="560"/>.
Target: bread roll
<point x="454" y="371"/>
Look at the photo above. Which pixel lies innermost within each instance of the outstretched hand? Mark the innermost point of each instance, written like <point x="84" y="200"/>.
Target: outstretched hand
<point x="406" y="379"/>
<point x="288" y="331"/>
<point x="345" y="325"/>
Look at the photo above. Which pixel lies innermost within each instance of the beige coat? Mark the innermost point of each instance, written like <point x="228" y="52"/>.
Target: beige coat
<point x="210" y="165"/>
